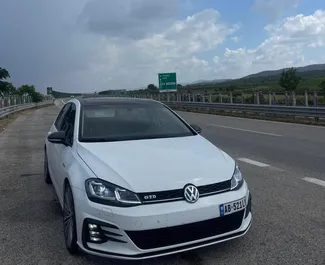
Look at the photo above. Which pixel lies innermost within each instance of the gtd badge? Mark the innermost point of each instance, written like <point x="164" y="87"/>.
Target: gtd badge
<point x="191" y="193"/>
<point x="150" y="197"/>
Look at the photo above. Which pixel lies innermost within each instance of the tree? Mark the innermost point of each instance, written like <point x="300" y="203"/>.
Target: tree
<point x="29" y="90"/>
<point x="232" y="88"/>
<point x="152" y="88"/>
<point x="26" y="90"/>
<point x="289" y="79"/>
<point x="37" y="97"/>
<point x="322" y="84"/>
<point x="5" y="87"/>
<point x="4" y="74"/>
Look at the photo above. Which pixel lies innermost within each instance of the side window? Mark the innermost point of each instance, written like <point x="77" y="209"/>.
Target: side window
<point x="59" y="119"/>
<point x="68" y="123"/>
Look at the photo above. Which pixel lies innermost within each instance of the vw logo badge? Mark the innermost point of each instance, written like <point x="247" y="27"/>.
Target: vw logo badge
<point x="191" y="193"/>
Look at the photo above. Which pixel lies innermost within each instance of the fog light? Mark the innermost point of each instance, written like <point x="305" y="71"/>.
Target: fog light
<point x="92" y="226"/>
<point x="95" y="239"/>
<point x="93" y="233"/>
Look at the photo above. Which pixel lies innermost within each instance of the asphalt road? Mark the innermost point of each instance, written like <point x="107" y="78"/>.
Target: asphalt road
<point x="289" y="212"/>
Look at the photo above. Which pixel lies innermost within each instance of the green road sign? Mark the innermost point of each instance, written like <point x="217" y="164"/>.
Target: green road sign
<point x="167" y="82"/>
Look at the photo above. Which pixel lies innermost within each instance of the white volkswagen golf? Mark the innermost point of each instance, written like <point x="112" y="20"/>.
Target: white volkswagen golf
<point x="136" y="181"/>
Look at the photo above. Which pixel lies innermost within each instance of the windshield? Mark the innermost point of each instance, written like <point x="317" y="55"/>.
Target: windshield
<point x="129" y="121"/>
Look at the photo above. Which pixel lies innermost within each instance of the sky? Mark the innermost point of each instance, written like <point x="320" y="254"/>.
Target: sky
<point x="94" y="45"/>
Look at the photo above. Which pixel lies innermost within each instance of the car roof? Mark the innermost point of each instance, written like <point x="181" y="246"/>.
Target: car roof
<point x="117" y="100"/>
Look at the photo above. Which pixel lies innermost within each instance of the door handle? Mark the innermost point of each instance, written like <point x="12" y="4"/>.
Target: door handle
<point x="63" y="164"/>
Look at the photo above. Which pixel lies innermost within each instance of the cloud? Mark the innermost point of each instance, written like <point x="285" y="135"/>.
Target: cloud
<point x="288" y="42"/>
<point x="81" y="45"/>
<point x="175" y="49"/>
<point x="134" y="19"/>
<point x="92" y="45"/>
<point x="235" y="38"/>
<point x="274" y="9"/>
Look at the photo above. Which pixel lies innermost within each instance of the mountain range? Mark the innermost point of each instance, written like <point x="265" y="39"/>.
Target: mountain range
<point x="318" y="69"/>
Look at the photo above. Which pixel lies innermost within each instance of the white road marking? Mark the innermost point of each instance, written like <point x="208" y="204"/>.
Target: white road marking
<point x="245" y="130"/>
<point x="253" y="162"/>
<point x="315" y="181"/>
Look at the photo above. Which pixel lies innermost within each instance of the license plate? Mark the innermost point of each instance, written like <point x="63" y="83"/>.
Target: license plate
<point x="231" y="207"/>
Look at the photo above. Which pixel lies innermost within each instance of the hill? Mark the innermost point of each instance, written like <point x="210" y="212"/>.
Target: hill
<point x="311" y="75"/>
<point x="313" y="70"/>
<point x="215" y="81"/>
<point x="301" y="70"/>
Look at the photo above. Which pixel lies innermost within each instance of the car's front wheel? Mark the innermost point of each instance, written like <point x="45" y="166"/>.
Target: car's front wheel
<point x="47" y="177"/>
<point x="69" y="221"/>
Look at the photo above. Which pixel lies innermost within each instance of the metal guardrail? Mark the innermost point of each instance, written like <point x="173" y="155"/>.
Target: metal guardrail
<point x="261" y="109"/>
<point x="316" y="112"/>
<point x="4" y="112"/>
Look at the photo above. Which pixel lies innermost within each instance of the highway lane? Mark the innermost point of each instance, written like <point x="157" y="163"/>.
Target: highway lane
<point x="294" y="147"/>
<point x="289" y="214"/>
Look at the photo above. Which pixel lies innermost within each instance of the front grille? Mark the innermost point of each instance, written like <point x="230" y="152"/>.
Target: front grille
<point x="157" y="238"/>
<point x="173" y="195"/>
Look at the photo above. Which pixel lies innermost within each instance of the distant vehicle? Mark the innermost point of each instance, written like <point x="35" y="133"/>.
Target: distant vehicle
<point x="71" y="96"/>
<point x="136" y="181"/>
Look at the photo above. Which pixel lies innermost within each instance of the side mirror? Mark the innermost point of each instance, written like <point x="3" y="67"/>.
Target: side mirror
<point x="196" y="128"/>
<point x="57" y="138"/>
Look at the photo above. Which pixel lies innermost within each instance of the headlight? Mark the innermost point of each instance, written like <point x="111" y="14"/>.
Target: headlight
<point x="103" y="192"/>
<point x="237" y="179"/>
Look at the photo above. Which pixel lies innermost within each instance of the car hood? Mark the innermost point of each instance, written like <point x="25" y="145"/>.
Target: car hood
<point x="158" y="164"/>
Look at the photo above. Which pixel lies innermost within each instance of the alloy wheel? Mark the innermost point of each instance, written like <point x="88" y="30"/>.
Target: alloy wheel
<point x="69" y="222"/>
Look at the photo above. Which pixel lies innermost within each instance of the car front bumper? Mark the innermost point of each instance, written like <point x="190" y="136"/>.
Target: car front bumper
<point x="154" y="230"/>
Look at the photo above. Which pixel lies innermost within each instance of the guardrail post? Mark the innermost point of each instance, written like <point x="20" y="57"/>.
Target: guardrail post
<point x="293" y="98"/>
<point x="194" y="97"/>
<point x="306" y="98"/>
<point x="231" y="99"/>
<point x="257" y="98"/>
<point x="286" y="98"/>
<point x="220" y="96"/>
<point x="168" y="97"/>
<point x="210" y="97"/>
<point x="242" y="97"/>
<point x="315" y="99"/>
<point x="270" y="98"/>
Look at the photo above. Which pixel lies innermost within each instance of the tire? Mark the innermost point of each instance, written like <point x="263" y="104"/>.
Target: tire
<point x="47" y="177"/>
<point x="69" y="222"/>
